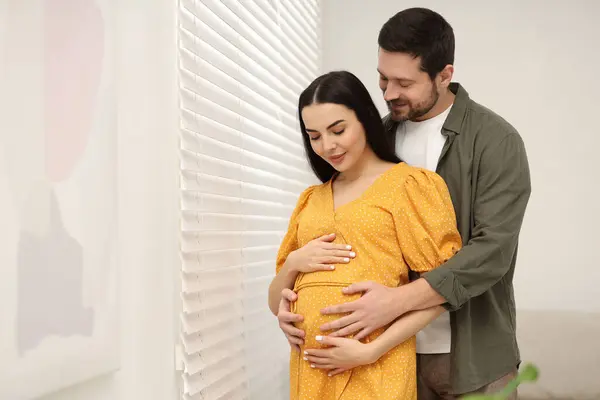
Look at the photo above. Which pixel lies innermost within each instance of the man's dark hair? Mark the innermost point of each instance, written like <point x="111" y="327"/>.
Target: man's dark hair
<point x="423" y="33"/>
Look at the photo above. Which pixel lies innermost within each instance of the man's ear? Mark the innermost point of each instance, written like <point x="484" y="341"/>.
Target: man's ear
<point x="445" y="76"/>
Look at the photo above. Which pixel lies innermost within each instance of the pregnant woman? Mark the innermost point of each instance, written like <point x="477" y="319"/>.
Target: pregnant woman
<point x="398" y="218"/>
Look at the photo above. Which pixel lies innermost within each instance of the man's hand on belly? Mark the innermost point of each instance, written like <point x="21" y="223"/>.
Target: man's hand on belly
<point x="379" y="306"/>
<point x="376" y="308"/>
<point x="287" y="319"/>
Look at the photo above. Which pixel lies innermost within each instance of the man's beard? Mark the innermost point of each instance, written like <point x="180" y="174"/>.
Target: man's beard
<point x="419" y="110"/>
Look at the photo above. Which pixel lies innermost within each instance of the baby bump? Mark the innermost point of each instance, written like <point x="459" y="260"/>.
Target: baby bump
<point x="311" y="300"/>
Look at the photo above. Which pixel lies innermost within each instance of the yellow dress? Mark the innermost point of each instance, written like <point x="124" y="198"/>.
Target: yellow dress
<point x="404" y="220"/>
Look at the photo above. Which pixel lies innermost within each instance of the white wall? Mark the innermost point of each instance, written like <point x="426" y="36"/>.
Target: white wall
<point x="58" y="145"/>
<point x="148" y="204"/>
<point x="538" y="71"/>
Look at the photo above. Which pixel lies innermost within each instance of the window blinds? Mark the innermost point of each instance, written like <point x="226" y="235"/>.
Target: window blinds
<point x="242" y="65"/>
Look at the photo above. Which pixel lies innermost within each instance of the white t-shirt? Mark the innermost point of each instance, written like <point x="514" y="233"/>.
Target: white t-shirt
<point x="420" y="144"/>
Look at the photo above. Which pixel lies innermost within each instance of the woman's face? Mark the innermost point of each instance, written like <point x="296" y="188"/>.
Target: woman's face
<point x="335" y="134"/>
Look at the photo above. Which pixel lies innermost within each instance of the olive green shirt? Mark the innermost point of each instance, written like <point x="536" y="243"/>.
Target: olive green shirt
<point x="485" y="167"/>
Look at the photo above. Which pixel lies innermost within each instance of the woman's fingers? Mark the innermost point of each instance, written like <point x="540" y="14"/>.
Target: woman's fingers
<point x="320" y="267"/>
<point x="322" y="366"/>
<point x="333" y="260"/>
<point x="317" y="360"/>
<point x="337" y="246"/>
<point x="343" y="253"/>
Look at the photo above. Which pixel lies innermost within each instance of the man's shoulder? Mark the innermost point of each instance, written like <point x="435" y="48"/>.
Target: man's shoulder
<point x="486" y="124"/>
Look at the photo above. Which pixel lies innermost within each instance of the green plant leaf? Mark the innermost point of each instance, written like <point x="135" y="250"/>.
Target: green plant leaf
<point x="481" y="397"/>
<point x="528" y="373"/>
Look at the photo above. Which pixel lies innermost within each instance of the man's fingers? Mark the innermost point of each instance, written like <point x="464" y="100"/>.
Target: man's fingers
<point x="291" y="330"/>
<point x="284" y="306"/>
<point x="289" y="317"/>
<point x="289" y="295"/>
<point x="339" y="323"/>
<point x="337" y="371"/>
<point x="347" y="331"/>
<point x="340" y="308"/>
<point x="295" y="341"/>
<point x="363" y="334"/>
<point x="284" y="303"/>
<point x="359" y="287"/>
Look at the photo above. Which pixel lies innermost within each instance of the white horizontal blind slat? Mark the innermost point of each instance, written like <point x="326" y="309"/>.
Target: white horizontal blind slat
<point x="306" y="20"/>
<point x="287" y="57"/>
<point x="304" y="37"/>
<point x="201" y="39"/>
<point x="250" y="152"/>
<point x="313" y="7"/>
<point x="249" y="51"/>
<point x="242" y="65"/>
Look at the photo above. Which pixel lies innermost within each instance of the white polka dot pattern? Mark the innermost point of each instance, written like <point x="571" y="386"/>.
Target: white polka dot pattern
<point x="405" y="220"/>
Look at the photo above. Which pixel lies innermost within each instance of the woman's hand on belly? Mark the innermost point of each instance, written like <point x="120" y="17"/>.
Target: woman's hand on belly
<point x="341" y="354"/>
<point x="319" y="254"/>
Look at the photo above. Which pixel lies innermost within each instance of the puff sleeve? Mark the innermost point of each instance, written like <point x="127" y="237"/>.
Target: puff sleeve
<point x="290" y="240"/>
<point x="425" y="221"/>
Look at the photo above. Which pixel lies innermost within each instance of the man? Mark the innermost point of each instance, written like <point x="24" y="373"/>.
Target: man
<point x="482" y="158"/>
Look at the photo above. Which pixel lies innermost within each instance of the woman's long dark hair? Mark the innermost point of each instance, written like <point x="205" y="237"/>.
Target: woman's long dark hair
<point x="344" y="88"/>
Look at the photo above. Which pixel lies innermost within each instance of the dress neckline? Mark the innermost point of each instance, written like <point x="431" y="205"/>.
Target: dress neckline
<point x="365" y="192"/>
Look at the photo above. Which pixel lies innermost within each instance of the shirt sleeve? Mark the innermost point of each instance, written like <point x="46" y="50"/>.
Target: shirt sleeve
<point x="501" y="197"/>
<point x="290" y="240"/>
<point x="425" y="221"/>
